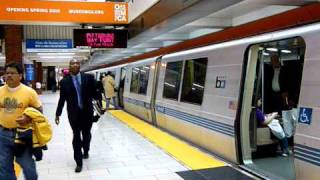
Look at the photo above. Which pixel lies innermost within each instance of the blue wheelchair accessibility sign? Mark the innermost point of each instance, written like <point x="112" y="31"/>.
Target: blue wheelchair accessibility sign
<point x="305" y="115"/>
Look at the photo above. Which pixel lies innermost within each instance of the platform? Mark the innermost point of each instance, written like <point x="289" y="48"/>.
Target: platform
<point x="122" y="148"/>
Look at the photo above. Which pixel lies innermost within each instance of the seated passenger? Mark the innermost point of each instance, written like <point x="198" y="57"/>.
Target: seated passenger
<point x="270" y="121"/>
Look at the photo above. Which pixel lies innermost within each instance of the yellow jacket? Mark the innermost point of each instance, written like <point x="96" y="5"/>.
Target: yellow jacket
<point x="40" y="126"/>
<point x="108" y="85"/>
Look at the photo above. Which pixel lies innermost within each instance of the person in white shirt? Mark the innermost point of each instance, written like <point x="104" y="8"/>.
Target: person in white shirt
<point x="276" y="88"/>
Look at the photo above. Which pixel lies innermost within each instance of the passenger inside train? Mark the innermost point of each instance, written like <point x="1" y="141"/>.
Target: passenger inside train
<point x="274" y="125"/>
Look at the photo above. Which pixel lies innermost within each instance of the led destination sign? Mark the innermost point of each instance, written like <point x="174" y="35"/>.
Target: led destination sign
<point x="100" y="38"/>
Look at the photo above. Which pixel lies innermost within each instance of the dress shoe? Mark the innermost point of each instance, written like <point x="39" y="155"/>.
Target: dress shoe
<point x="78" y="169"/>
<point x="86" y="156"/>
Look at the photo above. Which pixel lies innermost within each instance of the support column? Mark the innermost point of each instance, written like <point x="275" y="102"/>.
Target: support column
<point x="13" y="43"/>
<point x="38" y="71"/>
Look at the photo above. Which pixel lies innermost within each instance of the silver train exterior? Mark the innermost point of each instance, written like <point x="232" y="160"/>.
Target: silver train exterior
<point x="220" y="123"/>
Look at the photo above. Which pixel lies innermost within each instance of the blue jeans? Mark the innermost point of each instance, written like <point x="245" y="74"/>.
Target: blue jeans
<point x="114" y="102"/>
<point x="7" y="158"/>
<point x="284" y="145"/>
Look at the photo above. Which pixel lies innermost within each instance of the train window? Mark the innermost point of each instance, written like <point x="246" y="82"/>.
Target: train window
<point x="143" y="79"/>
<point x="193" y="80"/>
<point x="139" y="79"/>
<point x="135" y="80"/>
<point x="172" y="80"/>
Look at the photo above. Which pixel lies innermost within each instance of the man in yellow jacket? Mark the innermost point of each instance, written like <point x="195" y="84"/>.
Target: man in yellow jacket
<point x="109" y="86"/>
<point x="14" y="99"/>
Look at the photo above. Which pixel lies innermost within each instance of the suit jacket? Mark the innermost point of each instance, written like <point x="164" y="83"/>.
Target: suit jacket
<point x="289" y="81"/>
<point x="68" y="93"/>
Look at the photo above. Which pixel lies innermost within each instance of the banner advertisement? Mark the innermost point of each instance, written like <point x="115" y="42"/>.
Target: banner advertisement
<point x="32" y="11"/>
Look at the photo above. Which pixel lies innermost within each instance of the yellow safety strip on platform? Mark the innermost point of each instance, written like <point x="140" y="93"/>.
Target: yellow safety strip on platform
<point x="104" y="104"/>
<point x="17" y="169"/>
<point x="183" y="152"/>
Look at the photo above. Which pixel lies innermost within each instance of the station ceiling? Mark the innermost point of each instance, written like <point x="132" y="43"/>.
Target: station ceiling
<point x="187" y="20"/>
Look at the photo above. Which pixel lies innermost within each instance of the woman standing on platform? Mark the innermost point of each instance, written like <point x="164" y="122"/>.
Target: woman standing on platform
<point x="109" y="86"/>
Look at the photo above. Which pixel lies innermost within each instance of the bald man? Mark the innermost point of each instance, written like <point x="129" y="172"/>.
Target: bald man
<point x="78" y="90"/>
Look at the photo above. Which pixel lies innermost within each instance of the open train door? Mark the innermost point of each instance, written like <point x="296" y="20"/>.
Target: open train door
<point x="271" y="85"/>
<point x="121" y="86"/>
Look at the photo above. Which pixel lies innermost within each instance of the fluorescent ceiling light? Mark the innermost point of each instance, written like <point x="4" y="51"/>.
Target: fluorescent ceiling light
<point x="265" y="53"/>
<point x="56" y="57"/>
<point x="286" y="51"/>
<point x="272" y="49"/>
<point x="58" y="50"/>
<point x="55" y="54"/>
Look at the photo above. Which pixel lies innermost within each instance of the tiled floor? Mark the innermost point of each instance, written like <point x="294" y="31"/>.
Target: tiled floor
<point x="117" y="152"/>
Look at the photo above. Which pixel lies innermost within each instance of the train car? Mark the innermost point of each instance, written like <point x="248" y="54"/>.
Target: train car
<point x="138" y="88"/>
<point x="208" y="96"/>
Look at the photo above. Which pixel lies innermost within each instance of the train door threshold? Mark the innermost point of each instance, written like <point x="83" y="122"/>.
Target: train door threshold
<point x="225" y="172"/>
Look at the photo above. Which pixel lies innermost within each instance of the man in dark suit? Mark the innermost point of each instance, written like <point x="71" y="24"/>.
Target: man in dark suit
<point x="78" y="90"/>
<point x="282" y="85"/>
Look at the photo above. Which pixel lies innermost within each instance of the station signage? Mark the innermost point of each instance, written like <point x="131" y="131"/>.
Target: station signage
<point x="35" y="11"/>
<point x="29" y="69"/>
<point x="100" y="38"/>
<point x="49" y="43"/>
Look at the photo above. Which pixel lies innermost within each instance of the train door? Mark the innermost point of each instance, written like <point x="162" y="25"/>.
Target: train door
<point x="271" y="91"/>
<point x="154" y="90"/>
<point x="121" y="86"/>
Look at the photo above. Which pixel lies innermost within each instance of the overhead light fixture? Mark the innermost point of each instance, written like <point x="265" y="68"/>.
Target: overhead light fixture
<point x="272" y="49"/>
<point x="286" y="51"/>
<point x="56" y="57"/>
<point x="265" y="53"/>
<point x="55" y="54"/>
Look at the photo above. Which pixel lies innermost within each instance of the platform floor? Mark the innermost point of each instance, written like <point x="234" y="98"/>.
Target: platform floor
<point x="117" y="152"/>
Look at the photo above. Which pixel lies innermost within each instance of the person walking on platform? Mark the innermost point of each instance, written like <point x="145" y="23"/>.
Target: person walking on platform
<point x="109" y="86"/>
<point x="78" y="90"/>
<point x="15" y="97"/>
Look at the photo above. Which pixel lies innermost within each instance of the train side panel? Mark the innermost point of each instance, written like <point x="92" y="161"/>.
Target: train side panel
<point x="138" y="104"/>
<point x="211" y="124"/>
<point x="307" y="138"/>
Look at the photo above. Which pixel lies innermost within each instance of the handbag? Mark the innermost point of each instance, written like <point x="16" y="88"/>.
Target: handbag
<point x="97" y="111"/>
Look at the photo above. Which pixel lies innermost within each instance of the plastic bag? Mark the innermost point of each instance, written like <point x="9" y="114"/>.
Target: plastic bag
<point x="276" y="129"/>
<point x="290" y="119"/>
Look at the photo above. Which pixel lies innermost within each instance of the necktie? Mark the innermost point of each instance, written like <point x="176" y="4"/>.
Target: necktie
<point x="78" y="89"/>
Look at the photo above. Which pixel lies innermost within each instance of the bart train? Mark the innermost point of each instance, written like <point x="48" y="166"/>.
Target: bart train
<point x="207" y="96"/>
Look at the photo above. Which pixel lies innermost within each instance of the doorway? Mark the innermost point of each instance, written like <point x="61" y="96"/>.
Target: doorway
<point x="121" y="86"/>
<point x="271" y="90"/>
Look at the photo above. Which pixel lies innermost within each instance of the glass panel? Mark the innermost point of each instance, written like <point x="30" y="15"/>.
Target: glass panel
<point x="172" y="80"/>
<point x="135" y="80"/>
<point x="143" y="79"/>
<point x="193" y="80"/>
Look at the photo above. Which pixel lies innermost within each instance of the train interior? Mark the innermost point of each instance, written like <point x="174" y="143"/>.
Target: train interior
<point x="276" y="85"/>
